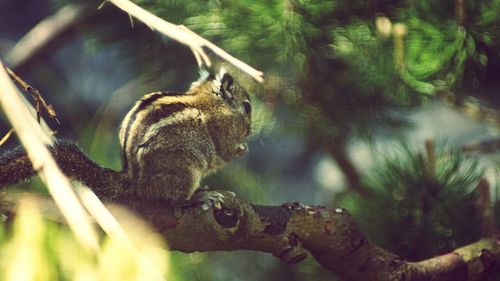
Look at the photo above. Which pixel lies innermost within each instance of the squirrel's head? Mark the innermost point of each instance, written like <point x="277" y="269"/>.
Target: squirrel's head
<point x="225" y="90"/>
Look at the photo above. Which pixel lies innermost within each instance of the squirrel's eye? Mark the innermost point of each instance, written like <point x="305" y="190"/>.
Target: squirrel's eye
<point x="247" y="106"/>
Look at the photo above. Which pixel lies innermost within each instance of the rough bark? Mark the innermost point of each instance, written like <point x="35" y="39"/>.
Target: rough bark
<point x="292" y="230"/>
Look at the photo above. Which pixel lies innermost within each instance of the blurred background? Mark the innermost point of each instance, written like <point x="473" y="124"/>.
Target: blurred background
<point x="389" y="109"/>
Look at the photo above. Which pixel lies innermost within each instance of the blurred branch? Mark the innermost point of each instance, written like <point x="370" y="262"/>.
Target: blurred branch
<point x="34" y="140"/>
<point x="482" y="147"/>
<point x="430" y="153"/>
<point x="460" y="12"/>
<point x="485" y="209"/>
<point x="185" y="36"/>
<point x="471" y="107"/>
<point x="45" y="33"/>
<point x="400" y="32"/>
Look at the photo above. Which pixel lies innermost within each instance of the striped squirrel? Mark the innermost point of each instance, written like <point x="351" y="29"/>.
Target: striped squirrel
<point x="169" y="142"/>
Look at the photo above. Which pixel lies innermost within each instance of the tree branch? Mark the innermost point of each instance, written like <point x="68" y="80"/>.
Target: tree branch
<point x="289" y="231"/>
<point x="185" y="36"/>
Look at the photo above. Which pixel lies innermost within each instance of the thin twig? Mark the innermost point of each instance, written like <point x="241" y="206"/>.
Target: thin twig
<point x="185" y="36"/>
<point x="6" y="137"/>
<point x="39" y="101"/>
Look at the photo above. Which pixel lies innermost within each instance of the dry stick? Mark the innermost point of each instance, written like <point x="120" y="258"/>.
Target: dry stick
<point x="34" y="140"/>
<point x="169" y="29"/>
<point x="6" y="137"/>
<point x="39" y="101"/>
<point x="185" y="36"/>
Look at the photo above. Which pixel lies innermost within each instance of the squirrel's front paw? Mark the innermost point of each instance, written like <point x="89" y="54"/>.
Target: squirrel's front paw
<point x="206" y="198"/>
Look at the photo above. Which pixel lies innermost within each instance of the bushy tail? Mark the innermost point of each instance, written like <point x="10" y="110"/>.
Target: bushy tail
<point x="15" y="167"/>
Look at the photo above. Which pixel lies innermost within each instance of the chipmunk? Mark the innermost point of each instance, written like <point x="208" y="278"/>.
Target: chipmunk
<point x="169" y="142"/>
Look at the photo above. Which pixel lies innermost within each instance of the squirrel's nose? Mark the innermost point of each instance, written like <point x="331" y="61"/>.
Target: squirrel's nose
<point x="242" y="148"/>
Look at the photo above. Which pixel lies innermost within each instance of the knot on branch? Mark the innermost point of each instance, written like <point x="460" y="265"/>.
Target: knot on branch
<point x="225" y="222"/>
<point x="275" y="221"/>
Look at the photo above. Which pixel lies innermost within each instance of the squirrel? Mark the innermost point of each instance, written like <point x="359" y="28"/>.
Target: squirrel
<point x="169" y="141"/>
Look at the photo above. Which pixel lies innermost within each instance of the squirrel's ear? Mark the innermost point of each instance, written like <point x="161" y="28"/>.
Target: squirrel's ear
<point x="227" y="83"/>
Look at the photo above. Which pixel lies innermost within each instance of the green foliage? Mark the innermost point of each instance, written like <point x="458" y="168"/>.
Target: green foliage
<point x="434" y="53"/>
<point x="421" y="201"/>
<point x="446" y="39"/>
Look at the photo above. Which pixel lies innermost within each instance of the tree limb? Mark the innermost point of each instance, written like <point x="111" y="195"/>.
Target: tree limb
<point x="289" y="231"/>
